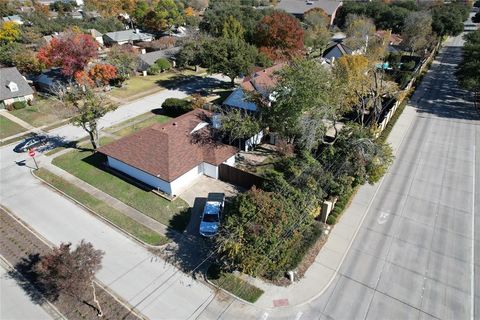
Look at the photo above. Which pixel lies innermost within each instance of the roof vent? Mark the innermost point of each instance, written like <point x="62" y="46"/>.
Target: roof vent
<point x="12" y="86"/>
<point x="174" y="123"/>
<point x="199" y="126"/>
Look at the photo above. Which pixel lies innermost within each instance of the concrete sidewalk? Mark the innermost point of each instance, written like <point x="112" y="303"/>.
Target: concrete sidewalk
<point x="328" y="262"/>
<point x="111" y="201"/>
<point x="18" y="121"/>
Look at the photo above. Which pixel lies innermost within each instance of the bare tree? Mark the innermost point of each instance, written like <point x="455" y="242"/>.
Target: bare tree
<point x="71" y="272"/>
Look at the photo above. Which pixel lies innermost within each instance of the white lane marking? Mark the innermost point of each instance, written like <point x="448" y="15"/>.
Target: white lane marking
<point x="265" y="316"/>
<point x="472" y="303"/>
<point x="299" y="315"/>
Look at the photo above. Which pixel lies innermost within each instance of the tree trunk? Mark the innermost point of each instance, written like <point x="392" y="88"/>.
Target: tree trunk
<point x="232" y="80"/>
<point x="196" y="68"/>
<point x="92" y="139"/>
<point x="99" y="308"/>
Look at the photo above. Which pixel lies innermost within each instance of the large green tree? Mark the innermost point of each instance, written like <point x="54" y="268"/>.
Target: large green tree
<point x="304" y="103"/>
<point x="231" y="57"/>
<point x="262" y="233"/>
<point x="468" y="70"/>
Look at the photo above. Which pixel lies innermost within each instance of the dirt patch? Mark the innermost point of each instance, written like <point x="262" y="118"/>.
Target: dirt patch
<point x="22" y="249"/>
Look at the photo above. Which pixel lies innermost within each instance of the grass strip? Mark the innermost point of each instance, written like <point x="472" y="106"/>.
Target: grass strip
<point x="104" y="210"/>
<point x="88" y="167"/>
<point x="233" y="284"/>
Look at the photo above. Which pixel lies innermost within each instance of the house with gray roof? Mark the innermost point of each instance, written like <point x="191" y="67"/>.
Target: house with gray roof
<point x="126" y="36"/>
<point x="15" y="18"/>
<point x="14" y="87"/>
<point x="146" y="60"/>
<point x="299" y="7"/>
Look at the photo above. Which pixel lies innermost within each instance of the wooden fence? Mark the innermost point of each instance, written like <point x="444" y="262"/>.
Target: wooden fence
<point x="239" y="177"/>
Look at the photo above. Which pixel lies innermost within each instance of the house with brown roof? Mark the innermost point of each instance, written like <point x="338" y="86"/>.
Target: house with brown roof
<point x="171" y="156"/>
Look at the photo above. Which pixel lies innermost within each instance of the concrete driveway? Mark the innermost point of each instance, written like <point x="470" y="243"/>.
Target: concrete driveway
<point x="203" y="186"/>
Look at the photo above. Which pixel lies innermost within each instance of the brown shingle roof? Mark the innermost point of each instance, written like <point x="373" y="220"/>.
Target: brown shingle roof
<point x="171" y="149"/>
<point x="262" y="80"/>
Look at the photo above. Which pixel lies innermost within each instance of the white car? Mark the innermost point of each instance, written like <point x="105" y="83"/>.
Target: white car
<point x="210" y="222"/>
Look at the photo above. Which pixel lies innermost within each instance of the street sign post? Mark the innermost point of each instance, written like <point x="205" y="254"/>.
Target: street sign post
<point x="31" y="153"/>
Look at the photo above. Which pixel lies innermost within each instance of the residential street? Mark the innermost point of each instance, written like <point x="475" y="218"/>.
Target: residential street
<point x="414" y="254"/>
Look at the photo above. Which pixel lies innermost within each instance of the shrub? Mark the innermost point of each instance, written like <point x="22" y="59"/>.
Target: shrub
<point x="163" y="64"/>
<point x="153" y="69"/>
<point x="19" y="105"/>
<point x="175" y="107"/>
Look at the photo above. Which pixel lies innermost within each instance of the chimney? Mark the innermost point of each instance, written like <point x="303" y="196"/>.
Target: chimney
<point x="137" y="31"/>
<point x="143" y="51"/>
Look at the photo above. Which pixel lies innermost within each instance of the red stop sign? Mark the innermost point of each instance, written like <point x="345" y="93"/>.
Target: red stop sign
<point x="31" y="152"/>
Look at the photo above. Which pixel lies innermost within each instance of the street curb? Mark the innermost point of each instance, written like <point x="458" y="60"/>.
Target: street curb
<point x="132" y="237"/>
<point x="51" y="245"/>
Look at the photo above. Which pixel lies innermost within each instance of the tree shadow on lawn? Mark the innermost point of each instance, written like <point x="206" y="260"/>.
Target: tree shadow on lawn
<point x="193" y="84"/>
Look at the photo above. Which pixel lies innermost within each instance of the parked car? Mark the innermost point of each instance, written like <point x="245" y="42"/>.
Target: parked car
<point x="210" y="222"/>
<point x="32" y="142"/>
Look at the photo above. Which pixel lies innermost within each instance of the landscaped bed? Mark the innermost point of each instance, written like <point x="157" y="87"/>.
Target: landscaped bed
<point x="9" y="128"/>
<point x="104" y="210"/>
<point x="233" y="284"/>
<point x="22" y="249"/>
<point x="90" y="168"/>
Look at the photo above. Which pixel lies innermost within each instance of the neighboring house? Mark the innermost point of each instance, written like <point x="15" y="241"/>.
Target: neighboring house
<point x="298" y="8"/>
<point x="97" y="36"/>
<point x="171" y="156"/>
<point x="261" y="81"/>
<point x="336" y="50"/>
<point x="15" y="18"/>
<point x="147" y="59"/>
<point x="394" y="40"/>
<point x="50" y="80"/>
<point x="76" y="15"/>
<point x="14" y="87"/>
<point x="126" y="36"/>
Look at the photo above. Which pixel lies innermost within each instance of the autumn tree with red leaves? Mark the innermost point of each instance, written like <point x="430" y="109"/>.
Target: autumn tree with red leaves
<point x="101" y="74"/>
<point x="71" y="52"/>
<point x="280" y="36"/>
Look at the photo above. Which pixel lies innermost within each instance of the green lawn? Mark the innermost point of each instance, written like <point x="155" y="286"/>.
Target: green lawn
<point x="139" y="122"/>
<point x="87" y="166"/>
<point x="134" y="86"/>
<point x="138" y="84"/>
<point x="234" y="284"/>
<point x="9" y="128"/>
<point x="101" y="208"/>
<point x="42" y="112"/>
